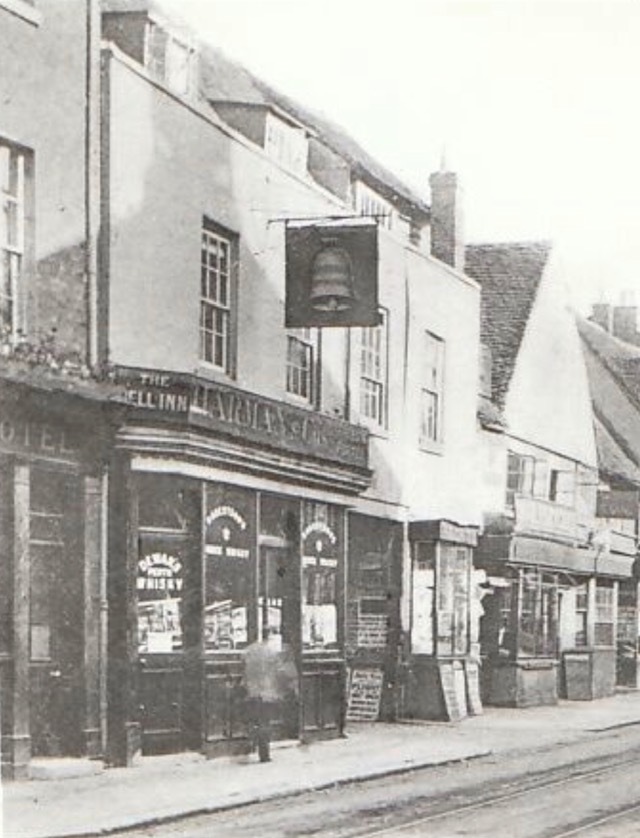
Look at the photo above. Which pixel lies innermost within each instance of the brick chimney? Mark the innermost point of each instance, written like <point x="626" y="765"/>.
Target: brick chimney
<point x="447" y="241"/>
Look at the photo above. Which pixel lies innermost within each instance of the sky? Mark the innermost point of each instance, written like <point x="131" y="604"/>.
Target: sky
<point x="534" y="104"/>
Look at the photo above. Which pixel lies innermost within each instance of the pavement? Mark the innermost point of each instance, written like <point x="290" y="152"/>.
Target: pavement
<point x="165" y="788"/>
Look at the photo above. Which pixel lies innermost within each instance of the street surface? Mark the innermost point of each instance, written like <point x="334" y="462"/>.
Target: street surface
<point x="539" y="794"/>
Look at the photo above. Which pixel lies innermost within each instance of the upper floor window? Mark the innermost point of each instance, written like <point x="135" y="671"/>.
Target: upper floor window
<point x="216" y="299"/>
<point x="562" y="486"/>
<point x="368" y="202"/>
<point x="302" y="351"/>
<point x="373" y="371"/>
<point x="169" y="59"/>
<point x="12" y="226"/>
<point x="286" y="143"/>
<point x="432" y="390"/>
<point x="521" y="470"/>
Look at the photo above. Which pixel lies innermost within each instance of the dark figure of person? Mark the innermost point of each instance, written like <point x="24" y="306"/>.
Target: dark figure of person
<point x="269" y="676"/>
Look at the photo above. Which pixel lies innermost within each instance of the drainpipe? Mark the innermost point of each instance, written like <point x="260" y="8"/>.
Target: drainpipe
<point x="92" y="177"/>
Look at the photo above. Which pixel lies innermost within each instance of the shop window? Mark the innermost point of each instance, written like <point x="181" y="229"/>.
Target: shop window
<point x="229" y="568"/>
<point x="605" y="619"/>
<point x="581" y="612"/>
<point x="538" y="628"/>
<point x="279" y="568"/>
<point x="452" y="598"/>
<point x="373" y="372"/>
<point x="423" y="587"/>
<point x="160" y="586"/>
<point x="166" y="515"/>
<point x="302" y="348"/>
<point x="431" y="398"/>
<point x="521" y="471"/>
<point x="162" y="503"/>
<point x="217" y="294"/>
<point x="321" y="563"/>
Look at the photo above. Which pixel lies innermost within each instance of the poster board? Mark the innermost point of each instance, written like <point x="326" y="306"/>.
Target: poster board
<point x="452" y="682"/>
<point x="365" y="692"/>
<point x="472" y="675"/>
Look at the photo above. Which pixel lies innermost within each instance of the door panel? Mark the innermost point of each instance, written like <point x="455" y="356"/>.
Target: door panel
<point x="161" y="705"/>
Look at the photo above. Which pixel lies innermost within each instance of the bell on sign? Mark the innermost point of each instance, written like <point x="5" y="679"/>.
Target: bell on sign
<point x="331" y="274"/>
<point x="332" y="279"/>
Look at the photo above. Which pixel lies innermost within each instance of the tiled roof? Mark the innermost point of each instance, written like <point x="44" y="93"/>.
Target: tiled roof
<point x="225" y="80"/>
<point x="612" y="459"/>
<point x="622" y="359"/>
<point x="509" y="275"/>
<point x="615" y="394"/>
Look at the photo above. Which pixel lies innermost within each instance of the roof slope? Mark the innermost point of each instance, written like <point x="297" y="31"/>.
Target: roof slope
<point x="621" y="359"/>
<point x="612" y="459"/>
<point x="509" y="275"/>
<point x="226" y="80"/>
<point x="613" y="368"/>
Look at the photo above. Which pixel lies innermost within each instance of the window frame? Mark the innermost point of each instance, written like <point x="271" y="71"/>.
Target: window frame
<point x="15" y="256"/>
<point x="160" y="62"/>
<point x="226" y="308"/>
<point x="287" y="144"/>
<point x="302" y="382"/>
<point x="519" y="491"/>
<point x="371" y="357"/>
<point x="433" y="390"/>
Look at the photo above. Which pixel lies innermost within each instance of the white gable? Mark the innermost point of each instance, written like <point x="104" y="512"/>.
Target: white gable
<point x="548" y="402"/>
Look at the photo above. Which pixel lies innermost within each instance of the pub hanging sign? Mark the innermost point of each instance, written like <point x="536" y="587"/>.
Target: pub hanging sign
<point x="331" y="273"/>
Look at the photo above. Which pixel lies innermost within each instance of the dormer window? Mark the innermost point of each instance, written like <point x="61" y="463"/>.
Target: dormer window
<point x="368" y="202"/>
<point x="286" y="143"/>
<point x="169" y="59"/>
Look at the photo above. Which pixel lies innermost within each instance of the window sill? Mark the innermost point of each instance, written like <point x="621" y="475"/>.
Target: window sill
<point x="299" y="401"/>
<point x="22" y="10"/>
<point x="374" y="429"/>
<point x="208" y="370"/>
<point x="436" y="448"/>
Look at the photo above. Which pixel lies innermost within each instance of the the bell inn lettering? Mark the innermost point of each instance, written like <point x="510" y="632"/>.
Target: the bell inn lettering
<point x="241" y="414"/>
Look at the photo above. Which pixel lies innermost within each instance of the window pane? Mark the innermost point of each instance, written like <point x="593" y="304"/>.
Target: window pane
<point x="300" y="362"/>
<point x="321" y="542"/>
<point x="215" y="299"/>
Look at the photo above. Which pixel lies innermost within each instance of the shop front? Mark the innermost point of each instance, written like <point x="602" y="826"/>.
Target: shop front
<point x="442" y="672"/>
<point x="549" y="627"/>
<point x="52" y="482"/>
<point x="235" y="535"/>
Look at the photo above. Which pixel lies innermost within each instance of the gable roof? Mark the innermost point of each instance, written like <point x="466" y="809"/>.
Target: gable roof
<point x="613" y="368"/>
<point x="621" y="359"/>
<point x="227" y="81"/>
<point x="509" y="275"/>
<point x="613" y="461"/>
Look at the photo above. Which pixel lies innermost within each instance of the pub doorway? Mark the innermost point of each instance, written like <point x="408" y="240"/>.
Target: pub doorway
<point x="56" y="594"/>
